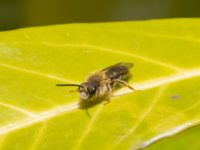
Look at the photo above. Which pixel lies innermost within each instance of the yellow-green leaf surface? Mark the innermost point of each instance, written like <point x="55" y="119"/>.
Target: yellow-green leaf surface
<point x="35" y="114"/>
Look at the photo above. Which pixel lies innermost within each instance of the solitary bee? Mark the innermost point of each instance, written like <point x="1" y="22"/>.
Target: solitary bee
<point x="99" y="86"/>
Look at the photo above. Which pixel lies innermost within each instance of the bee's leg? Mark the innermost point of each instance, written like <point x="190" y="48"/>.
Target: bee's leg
<point x="124" y="83"/>
<point x="88" y="114"/>
<point x="107" y="99"/>
<point x="97" y="93"/>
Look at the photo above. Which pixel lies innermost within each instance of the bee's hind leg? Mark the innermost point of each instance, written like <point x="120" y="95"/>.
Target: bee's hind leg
<point x="124" y="83"/>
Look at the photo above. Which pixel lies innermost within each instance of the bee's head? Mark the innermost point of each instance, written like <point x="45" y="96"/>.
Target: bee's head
<point x="87" y="90"/>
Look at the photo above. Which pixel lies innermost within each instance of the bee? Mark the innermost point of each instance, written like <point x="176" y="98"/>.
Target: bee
<point x="99" y="86"/>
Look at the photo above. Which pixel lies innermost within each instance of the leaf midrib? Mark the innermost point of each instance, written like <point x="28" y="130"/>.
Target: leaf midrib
<point x="70" y="107"/>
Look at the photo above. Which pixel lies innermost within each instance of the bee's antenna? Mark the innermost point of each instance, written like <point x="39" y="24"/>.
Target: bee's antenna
<point x="69" y="85"/>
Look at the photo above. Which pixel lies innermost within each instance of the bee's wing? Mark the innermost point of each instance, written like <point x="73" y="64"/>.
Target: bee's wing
<point x="117" y="70"/>
<point x="123" y="64"/>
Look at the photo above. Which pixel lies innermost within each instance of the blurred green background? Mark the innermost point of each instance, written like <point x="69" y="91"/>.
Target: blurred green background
<point x="22" y="13"/>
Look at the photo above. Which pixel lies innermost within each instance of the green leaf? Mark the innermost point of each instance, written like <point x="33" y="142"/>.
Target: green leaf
<point x="35" y="114"/>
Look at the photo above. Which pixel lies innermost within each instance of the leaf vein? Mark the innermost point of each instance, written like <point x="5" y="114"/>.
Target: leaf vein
<point x="39" y="136"/>
<point x="168" y="133"/>
<point x="43" y="116"/>
<point x="89" y="127"/>
<point x="30" y="114"/>
<point x="142" y="118"/>
<point x="104" y="49"/>
<point x="50" y="76"/>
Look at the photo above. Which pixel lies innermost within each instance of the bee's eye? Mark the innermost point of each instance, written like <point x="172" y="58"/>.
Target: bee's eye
<point x="91" y="89"/>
